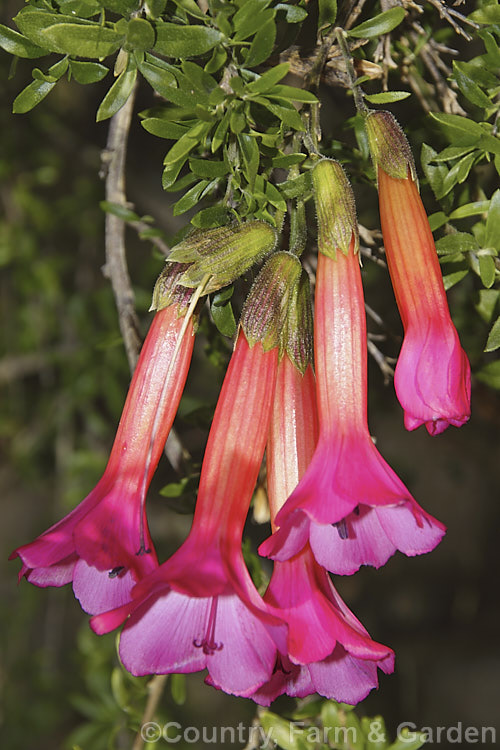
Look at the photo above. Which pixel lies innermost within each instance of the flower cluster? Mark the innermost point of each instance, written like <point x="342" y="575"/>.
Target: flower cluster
<point x="335" y="503"/>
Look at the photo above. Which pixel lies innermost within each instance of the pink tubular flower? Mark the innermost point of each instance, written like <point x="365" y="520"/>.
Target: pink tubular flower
<point x="432" y="378"/>
<point x="104" y="545"/>
<point x="350" y="505"/>
<point x="328" y="650"/>
<point x="200" y="608"/>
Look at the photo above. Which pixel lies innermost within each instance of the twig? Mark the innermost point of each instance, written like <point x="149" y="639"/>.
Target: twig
<point x="116" y="270"/>
<point x="382" y="361"/>
<point x="346" y="53"/>
<point x="155" y="687"/>
<point x="354" y="13"/>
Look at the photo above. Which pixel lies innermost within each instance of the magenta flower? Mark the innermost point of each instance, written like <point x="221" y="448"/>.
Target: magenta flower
<point x="200" y="608"/>
<point x="328" y="650"/>
<point x="350" y="505"/>
<point x="432" y="378"/>
<point x="104" y="545"/>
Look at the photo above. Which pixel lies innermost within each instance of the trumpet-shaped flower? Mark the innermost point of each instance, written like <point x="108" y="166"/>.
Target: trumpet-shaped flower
<point x="328" y="650"/>
<point x="350" y="505"/>
<point x="200" y="608"/>
<point x="432" y="378"/>
<point x="104" y="545"/>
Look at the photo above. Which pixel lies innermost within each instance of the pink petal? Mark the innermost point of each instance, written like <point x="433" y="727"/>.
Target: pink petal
<point x="55" y="575"/>
<point x="99" y="592"/>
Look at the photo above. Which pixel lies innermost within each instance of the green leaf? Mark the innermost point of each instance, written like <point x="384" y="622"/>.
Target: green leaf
<point x="122" y="7"/>
<point x="383" y="23"/>
<point x="488" y="14"/>
<point x="119" y="210"/>
<point x="250" y="17"/>
<point x="326" y="15"/>
<point x="118" y="93"/>
<point x="291" y="93"/>
<point x="262" y="45"/>
<point x="490" y="374"/>
<point x="470" y="209"/>
<point x="140" y="34"/>
<point x="220" y="132"/>
<point x="408" y="740"/>
<point x="457" y="174"/>
<point x="223" y="317"/>
<point x="17" y="44"/>
<point x="494" y="337"/>
<point x="190" y="7"/>
<point x="81" y="8"/>
<point x="386" y="97"/>
<point x="174" y="40"/>
<point x="458" y="242"/>
<point x="38" y="90"/>
<point x="453" y="278"/>
<point x="293" y="13"/>
<point x="163" y="128"/>
<point x="87" y="72"/>
<point x="487" y="270"/>
<point x="286" y="161"/>
<point x="488" y="299"/>
<point x="186" y="143"/>
<point x="160" y="79"/>
<point x="215" y="216"/>
<point x="250" y="152"/>
<point x="452" y="152"/>
<point x="493" y="222"/>
<point x="434" y="173"/>
<point x="288" y="115"/>
<point x="437" y="220"/>
<point x="190" y="198"/>
<point x="469" y="87"/>
<point x="296" y="187"/>
<point x="209" y="169"/>
<point x="82" y="41"/>
<point x="31" y="96"/>
<point x="459" y="127"/>
<point x="268" y="79"/>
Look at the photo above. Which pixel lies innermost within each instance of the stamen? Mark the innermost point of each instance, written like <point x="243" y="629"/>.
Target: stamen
<point x="143" y="550"/>
<point x="342" y="529"/>
<point x="116" y="571"/>
<point x="208" y="643"/>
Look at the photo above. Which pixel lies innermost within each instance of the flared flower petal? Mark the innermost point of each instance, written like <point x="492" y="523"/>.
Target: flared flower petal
<point x="107" y="532"/>
<point x="432" y="377"/>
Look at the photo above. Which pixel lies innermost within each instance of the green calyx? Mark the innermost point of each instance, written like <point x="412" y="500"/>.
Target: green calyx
<point x="335" y="209"/>
<point x="297" y="334"/>
<point x="223" y="253"/>
<point x="168" y="289"/>
<point x="389" y="146"/>
<point x="263" y="318"/>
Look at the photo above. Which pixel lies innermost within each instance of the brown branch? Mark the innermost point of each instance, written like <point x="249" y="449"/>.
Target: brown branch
<point x="116" y="270"/>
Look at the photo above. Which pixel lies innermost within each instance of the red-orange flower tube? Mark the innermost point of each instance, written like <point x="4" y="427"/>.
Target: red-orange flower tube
<point x="432" y="378"/>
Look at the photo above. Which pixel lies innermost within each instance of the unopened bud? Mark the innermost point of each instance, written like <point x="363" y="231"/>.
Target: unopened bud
<point x="389" y="146"/>
<point x="297" y="338"/>
<point x="263" y="316"/>
<point x="335" y="209"/>
<point x="223" y="253"/>
<point x="168" y="289"/>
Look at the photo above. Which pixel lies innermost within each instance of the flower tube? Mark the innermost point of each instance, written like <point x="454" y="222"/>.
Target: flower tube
<point x="350" y="505"/>
<point x="432" y="377"/>
<point x="328" y="650"/>
<point x="104" y="545"/>
<point x="200" y="608"/>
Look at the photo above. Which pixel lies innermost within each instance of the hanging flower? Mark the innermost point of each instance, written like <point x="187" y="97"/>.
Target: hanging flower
<point x="328" y="650"/>
<point x="350" y="505"/>
<point x="200" y="608"/>
<point x="432" y="378"/>
<point x="104" y="545"/>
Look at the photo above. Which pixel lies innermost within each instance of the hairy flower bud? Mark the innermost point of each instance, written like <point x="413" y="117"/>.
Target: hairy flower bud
<point x="335" y="207"/>
<point x="264" y="313"/>
<point x="223" y="253"/>
<point x="389" y="147"/>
